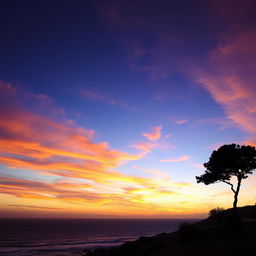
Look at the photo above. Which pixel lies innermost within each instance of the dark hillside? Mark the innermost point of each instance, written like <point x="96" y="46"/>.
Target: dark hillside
<point x="209" y="237"/>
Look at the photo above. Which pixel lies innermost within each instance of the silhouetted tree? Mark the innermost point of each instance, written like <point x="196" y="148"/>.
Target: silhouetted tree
<point x="229" y="161"/>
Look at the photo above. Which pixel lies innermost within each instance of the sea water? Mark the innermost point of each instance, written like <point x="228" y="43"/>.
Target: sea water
<point x="70" y="237"/>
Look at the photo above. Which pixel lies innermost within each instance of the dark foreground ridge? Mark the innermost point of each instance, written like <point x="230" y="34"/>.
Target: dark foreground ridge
<point x="218" y="235"/>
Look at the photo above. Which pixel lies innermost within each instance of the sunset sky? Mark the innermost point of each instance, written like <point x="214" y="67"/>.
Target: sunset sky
<point x="109" y="108"/>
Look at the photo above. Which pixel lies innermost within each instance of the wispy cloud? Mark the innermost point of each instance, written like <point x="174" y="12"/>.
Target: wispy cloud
<point x="36" y="142"/>
<point x="162" y="55"/>
<point x="154" y="135"/>
<point x="42" y="190"/>
<point x="197" y="165"/>
<point x="88" y="94"/>
<point x="83" y="171"/>
<point x="179" y="159"/>
<point x="228" y="77"/>
<point x="225" y="71"/>
<point x="183" y="121"/>
<point x="35" y="207"/>
<point x="121" y="196"/>
<point x="156" y="173"/>
<point x="145" y="146"/>
<point x="95" y="96"/>
<point x="224" y="123"/>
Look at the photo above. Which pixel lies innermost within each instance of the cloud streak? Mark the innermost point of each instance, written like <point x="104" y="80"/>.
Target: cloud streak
<point x="156" y="173"/>
<point x="183" y="121"/>
<point x="35" y="142"/>
<point x="95" y="96"/>
<point x="179" y="159"/>
<point x="83" y="171"/>
<point x="228" y="76"/>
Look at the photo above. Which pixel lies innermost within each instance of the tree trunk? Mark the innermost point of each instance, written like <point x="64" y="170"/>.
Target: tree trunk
<point x="236" y="195"/>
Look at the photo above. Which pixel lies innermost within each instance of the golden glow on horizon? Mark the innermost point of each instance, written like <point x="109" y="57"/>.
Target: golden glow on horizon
<point x="87" y="179"/>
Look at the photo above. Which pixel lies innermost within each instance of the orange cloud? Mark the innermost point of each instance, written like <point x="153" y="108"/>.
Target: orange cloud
<point x="32" y="141"/>
<point x="117" y="197"/>
<point x="36" y="143"/>
<point x="35" y="207"/>
<point x="42" y="190"/>
<point x="179" y="159"/>
<point x="154" y="135"/>
<point x="78" y="174"/>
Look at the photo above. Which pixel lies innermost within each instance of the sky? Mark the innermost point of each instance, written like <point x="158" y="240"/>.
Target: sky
<point x="109" y="108"/>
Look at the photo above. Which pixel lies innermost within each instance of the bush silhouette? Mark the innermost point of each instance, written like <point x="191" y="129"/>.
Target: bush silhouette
<point x="215" y="212"/>
<point x="217" y="216"/>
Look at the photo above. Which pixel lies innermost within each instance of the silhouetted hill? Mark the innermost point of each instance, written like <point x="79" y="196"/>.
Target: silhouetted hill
<point x="209" y="237"/>
<point x="246" y="213"/>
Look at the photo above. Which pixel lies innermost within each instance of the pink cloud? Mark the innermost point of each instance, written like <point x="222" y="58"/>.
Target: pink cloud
<point x="144" y="146"/>
<point x="183" y="121"/>
<point x="228" y="75"/>
<point x="154" y="135"/>
<point x="179" y="159"/>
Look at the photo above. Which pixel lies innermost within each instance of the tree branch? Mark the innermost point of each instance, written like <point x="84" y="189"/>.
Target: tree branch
<point x="230" y="184"/>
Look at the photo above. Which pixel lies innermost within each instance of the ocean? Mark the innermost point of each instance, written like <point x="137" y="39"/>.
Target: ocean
<point x="69" y="237"/>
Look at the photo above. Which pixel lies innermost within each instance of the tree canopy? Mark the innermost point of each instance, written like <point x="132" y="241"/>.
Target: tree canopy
<point x="226" y="162"/>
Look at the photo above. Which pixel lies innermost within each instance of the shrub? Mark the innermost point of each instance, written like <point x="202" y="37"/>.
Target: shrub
<point x="216" y="211"/>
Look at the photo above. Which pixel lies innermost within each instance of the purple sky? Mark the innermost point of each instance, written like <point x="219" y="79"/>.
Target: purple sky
<point x="110" y="108"/>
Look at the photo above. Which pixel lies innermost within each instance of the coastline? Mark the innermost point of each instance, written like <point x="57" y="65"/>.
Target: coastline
<point x="209" y="237"/>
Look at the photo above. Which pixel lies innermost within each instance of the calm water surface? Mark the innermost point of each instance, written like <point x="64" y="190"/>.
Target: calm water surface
<point x="66" y="237"/>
